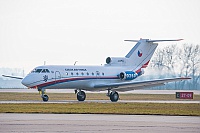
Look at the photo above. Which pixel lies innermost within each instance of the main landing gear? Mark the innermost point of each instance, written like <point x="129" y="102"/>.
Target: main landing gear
<point x="114" y="96"/>
<point x="45" y="97"/>
<point x="81" y="96"/>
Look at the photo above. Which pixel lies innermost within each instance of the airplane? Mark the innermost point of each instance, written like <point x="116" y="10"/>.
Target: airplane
<point x="117" y="75"/>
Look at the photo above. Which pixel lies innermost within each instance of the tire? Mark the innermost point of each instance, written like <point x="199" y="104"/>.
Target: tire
<point x="114" y="96"/>
<point x="81" y="96"/>
<point x="45" y="98"/>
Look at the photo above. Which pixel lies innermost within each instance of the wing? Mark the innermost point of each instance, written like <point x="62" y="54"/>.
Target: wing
<point x="127" y="86"/>
<point x="12" y="77"/>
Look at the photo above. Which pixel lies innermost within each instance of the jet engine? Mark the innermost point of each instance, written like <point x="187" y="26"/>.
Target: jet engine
<point x="116" y="60"/>
<point x="128" y="75"/>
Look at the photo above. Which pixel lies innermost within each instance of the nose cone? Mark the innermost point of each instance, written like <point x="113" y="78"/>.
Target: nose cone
<point x="25" y="81"/>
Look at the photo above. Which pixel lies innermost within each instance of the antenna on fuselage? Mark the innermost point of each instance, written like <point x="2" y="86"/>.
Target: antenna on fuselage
<point x="23" y="72"/>
<point x="75" y="63"/>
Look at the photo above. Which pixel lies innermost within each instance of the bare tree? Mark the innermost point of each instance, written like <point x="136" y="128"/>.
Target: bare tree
<point x="182" y="61"/>
<point x="190" y="59"/>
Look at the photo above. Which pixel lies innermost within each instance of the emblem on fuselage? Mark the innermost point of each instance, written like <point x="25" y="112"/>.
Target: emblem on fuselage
<point x="45" y="77"/>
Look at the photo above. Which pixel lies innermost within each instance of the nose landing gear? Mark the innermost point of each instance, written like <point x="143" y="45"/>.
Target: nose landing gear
<point x="44" y="97"/>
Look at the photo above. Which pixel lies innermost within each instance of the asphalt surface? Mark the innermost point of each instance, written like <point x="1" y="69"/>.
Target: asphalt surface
<point x="87" y="123"/>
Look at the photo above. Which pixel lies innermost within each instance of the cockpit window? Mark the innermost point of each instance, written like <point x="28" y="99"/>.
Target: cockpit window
<point x="40" y="71"/>
<point x="44" y="71"/>
<point x="47" y="71"/>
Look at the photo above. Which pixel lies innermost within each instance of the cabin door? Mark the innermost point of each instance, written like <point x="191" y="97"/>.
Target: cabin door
<point x="57" y="76"/>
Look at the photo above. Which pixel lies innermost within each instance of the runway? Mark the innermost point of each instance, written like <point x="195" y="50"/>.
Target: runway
<point x="100" y="101"/>
<point x="87" y="123"/>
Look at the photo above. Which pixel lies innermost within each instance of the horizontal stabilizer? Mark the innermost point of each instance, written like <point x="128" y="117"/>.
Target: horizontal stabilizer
<point x="163" y="40"/>
<point x="12" y="77"/>
<point x="148" y="40"/>
<point x="132" y="40"/>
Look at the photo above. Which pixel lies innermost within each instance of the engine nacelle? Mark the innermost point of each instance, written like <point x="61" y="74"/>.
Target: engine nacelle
<point x="128" y="75"/>
<point x="116" y="60"/>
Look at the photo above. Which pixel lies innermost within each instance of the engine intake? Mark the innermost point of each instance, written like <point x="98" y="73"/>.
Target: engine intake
<point x="116" y="60"/>
<point x="128" y="75"/>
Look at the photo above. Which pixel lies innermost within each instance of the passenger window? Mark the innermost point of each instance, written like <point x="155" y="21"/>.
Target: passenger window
<point x="72" y="73"/>
<point x="82" y="73"/>
<point x="76" y="73"/>
<point x="103" y="74"/>
<point x="92" y="73"/>
<point x="87" y="73"/>
<point x="66" y="73"/>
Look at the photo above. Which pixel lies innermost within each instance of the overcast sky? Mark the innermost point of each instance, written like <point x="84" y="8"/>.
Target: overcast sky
<point x="88" y="31"/>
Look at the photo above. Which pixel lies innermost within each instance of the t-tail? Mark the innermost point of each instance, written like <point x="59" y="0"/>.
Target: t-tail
<point x="139" y="56"/>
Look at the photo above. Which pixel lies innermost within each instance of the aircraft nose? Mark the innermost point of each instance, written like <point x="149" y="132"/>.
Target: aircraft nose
<point x="25" y="82"/>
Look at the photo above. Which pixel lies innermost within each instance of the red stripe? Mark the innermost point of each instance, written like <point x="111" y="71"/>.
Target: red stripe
<point x="68" y="80"/>
<point x="145" y="65"/>
<point x="139" y="70"/>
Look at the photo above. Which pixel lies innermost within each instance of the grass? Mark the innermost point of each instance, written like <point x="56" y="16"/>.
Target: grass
<point x="104" y="108"/>
<point x="98" y="108"/>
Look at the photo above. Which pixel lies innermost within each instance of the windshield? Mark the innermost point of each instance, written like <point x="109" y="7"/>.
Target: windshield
<point x="40" y="71"/>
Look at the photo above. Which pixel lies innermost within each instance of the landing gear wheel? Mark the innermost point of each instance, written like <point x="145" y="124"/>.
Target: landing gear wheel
<point x="45" y="98"/>
<point x="114" y="96"/>
<point x="81" y="96"/>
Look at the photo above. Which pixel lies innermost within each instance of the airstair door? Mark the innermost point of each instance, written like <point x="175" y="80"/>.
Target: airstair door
<point x="57" y="76"/>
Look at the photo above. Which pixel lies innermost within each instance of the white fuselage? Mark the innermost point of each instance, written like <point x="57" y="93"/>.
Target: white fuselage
<point x="73" y="77"/>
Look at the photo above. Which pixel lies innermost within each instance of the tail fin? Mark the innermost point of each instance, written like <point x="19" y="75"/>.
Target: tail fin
<point x="141" y="53"/>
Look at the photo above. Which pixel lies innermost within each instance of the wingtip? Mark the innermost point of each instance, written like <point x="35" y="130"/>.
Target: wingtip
<point x="180" y="39"/>
<point x="131" y="40"/>
<point x="185" y="78"/>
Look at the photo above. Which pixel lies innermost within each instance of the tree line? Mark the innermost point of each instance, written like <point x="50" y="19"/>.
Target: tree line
<point x="178" y="61"/>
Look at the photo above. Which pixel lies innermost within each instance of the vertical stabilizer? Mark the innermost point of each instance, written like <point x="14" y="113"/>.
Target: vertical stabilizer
<point x="140" y="55"/>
